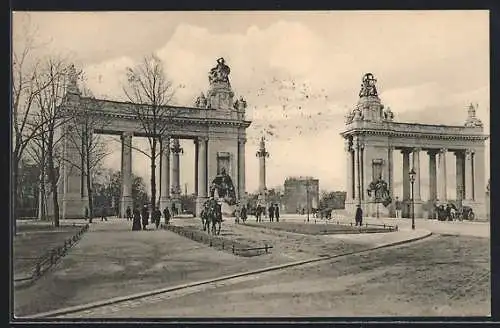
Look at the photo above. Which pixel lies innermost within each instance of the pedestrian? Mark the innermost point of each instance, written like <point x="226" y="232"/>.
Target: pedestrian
<point x="166" y="214"/>
<point x="128" y="213"/>
<point x="303" y="211"/>
<point x="243" y="213"/>
<point x="398" y="206"/>
<point x="277" y="212"/>
<point x="174" y="210"/>
<point x="103" y="214"/>
<point x="359" y="216"/>
<point x="145" y="217"/>
<point x="271" y="213"/>
<point x="157" y="217"/>
<point x="136" y="223"/>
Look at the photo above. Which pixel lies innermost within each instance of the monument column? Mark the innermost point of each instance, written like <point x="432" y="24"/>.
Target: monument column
<point x="442" y="197"/>
<point x="262" y="154"/>
<point x="202" y="173"/>
<point x="241" y="167"/>
<point x="176" y="185"/>
<point x="126" y="200"/>
<point x="165" y="173"/>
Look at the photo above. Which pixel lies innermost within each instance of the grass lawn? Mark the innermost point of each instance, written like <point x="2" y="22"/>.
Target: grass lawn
<point x="319" y="228"/>
<point x="35" y="240"/>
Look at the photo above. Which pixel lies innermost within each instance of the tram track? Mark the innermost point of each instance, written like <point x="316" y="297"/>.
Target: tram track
<point x="112" y="305"/>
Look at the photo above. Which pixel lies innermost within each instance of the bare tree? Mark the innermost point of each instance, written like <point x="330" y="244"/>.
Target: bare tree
<point x="25" y="88"/>
<point x="55" y="73"/>
<point x="150" y="92"/>
<point x="90" y="145"/>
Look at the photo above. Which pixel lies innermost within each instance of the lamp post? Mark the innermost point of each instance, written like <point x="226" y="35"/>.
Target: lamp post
<point x="412" y="174"/>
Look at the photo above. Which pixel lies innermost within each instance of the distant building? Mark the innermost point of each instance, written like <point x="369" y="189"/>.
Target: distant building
<point x="301" y="193"/>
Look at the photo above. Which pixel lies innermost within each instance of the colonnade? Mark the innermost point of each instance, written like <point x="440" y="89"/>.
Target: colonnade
<point x="170" y="190"/>
<point x="361" y="171"/>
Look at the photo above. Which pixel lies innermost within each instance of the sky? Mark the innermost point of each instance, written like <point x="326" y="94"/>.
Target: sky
<point x="300" y="73"/>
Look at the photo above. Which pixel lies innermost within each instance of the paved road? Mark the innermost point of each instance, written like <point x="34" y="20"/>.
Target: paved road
<point x="406" y="281"/>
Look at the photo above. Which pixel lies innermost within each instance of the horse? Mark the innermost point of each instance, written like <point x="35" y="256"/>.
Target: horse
<point x="212" y="214"/>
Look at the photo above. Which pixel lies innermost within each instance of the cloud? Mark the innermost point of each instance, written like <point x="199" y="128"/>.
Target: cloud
<point x="301" y="79"/>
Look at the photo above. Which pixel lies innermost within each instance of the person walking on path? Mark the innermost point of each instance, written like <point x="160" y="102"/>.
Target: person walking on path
<point x="156" y="217"/>
<point x="145" y="217"/>
<point x="398" y="207"/>
<point x="128" y="213"/>
<point x="136" y="222"/>
<point x="243" y="213"/>
<point x="103" y="214"/>
<point x="271" y="213"/>
<point x="359" y="216"/>
<point x="277" y="212"/>
<point x="166" y="214"/>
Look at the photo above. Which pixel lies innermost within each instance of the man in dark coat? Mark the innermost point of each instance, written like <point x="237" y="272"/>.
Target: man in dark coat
<point x="103" y="214"/>
<point x="145" y="217"/>
<point x="359" y="216"/>
<point x="243" y="213"/>
<point x="277" y="212"/>
<point x="136" y="223"/>
<point x="157" y="217"/>
<point x="128" y="213"/>
<point x="166" y="214"/>
<point x="271" y="213"/>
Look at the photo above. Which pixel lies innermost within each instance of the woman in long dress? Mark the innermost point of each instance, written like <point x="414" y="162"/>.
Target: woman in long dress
<point x="136" y="223"/>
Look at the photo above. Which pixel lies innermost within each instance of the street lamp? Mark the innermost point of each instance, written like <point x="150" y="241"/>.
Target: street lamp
<point x="412" y="174"/>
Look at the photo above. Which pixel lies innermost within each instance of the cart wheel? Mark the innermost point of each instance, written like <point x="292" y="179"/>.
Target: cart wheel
<point x="471" y="216"/>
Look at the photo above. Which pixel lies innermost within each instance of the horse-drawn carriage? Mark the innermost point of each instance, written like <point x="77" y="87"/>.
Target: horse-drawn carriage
<point x="451" y="212"/>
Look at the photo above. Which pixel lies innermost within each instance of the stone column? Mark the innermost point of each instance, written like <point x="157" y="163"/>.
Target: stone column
<point x="72" y="200"/>
<point x="459" y="164"/>
<point x="165" y="173"/>
<point x="406" y="172"/>
<point x="390" y="169"/>
<point x="479" y="182"/>
<point x="241" y="167"/>
<point x="432" y="175"/>
<point x="349" y="164"/>
<point x="126" y="172"/>
<point x="469" y="175"/>
<point x="202" y="173"/>
<point x="357" y="169"/>
<point x="442" y="197"/>
<point x="416" y="168"/>
<point x="196" y="167"/>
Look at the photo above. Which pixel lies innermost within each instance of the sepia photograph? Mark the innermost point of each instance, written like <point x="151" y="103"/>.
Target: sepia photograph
<point x="250" y="164"/>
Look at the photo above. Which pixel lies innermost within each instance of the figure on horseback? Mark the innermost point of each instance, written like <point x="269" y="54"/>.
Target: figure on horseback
<point x="211" y="214"/>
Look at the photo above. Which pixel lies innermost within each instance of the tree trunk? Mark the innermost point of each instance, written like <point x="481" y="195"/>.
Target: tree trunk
<point x="89" y="187"/>
<point x="15" y="191"/>
<point x="53" y="181"/>
<point x="153" y="175"/>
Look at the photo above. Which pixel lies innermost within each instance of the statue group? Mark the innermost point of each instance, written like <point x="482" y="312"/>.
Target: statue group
<point x="219" y="73"/>
<point x="368" y="86"/>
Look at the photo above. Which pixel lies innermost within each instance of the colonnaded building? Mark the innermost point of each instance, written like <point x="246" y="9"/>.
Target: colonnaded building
<point x="216" y="124"/>
<point x="372" y="137"/>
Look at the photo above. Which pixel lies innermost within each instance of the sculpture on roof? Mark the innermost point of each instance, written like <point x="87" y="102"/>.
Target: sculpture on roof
<point x="220" y="73"/>
<point x="368" y="86"/>
<point x="201" y="101"/>
<point x="240" y="104"/>
<point x="472" y="121"/>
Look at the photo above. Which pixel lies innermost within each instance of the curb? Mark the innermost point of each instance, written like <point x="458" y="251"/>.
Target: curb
<point x="88" y="306"/>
